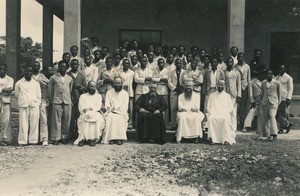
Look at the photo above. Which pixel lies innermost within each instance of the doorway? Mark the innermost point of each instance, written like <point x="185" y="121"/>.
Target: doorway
<point x="285" y="50"/>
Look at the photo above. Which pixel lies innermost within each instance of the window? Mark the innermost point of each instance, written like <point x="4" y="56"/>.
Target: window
<point x="144" y="36"/>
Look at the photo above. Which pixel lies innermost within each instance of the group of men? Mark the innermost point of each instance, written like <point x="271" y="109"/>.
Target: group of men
<point x="97" y="97"/>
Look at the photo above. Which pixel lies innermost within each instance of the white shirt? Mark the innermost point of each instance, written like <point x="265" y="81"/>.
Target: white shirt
<point x="213" y="82"/>
<point x="287" y="86"/>
<point x="91" y="73"/>
<point x="6" y="82"/>
<point x="28" y="93"/>
<point x="128" y="80"/>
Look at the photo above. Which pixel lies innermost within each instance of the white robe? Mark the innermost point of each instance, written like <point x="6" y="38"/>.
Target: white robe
<point x="189" y="123"/>
<point x="90" y="130"/>
<point x="220" y="112"/>
<point x="116" y="121"/>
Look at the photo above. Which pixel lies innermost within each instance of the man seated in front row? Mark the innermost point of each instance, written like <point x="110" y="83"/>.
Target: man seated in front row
<point x="116" y="105"/>
<point x="90" y="122"/>
<point x="150" y="121"/>
<point x="189" y="117"/>
<point x="220" y="114"/>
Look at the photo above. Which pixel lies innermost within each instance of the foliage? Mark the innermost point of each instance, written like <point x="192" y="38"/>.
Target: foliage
<point x="29" y="51"/>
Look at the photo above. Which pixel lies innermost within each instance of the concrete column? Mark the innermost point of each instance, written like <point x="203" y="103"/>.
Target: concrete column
<point x="13" y="27"/>
<point x="47" y="36"/>
<point x="236" y="23"/>
<point x="72" y="24"/>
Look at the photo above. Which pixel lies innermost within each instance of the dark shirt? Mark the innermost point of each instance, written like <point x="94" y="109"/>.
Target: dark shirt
<point x="148" y="103"/>
<point x="256" y="67"/>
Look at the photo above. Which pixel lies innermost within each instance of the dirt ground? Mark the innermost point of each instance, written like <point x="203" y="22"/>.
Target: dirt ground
<point x="250" y="167"/>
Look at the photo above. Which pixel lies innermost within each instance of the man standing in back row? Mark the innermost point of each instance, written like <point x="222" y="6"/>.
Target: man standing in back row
<point x="244" y="104"/>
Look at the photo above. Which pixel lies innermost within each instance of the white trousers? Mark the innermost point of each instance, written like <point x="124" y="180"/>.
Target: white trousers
<point x="4" y="119"/>
<point x="234" y="115"/>
<point x="44" y="122"/>
<point x="28" y="125"/>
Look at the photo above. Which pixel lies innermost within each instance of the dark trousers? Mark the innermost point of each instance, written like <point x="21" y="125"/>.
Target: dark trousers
<point x="243" y="109"/>
<point x="283" y="117"/>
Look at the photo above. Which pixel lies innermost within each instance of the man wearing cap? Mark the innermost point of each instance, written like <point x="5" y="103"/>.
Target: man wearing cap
<point x="150" y="122"/>
<point x="189" y="117"/>
<point x="220" y="110"/>
<point x="116" y="105"/>
<point x="90" y="122"/>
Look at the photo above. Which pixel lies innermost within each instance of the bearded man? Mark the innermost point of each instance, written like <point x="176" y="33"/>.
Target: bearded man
<point x="220" y="116"/>
<point x="116" y="105"/>
<point x="189" y="117"/>
<point x="150" y="121"/>
<point x="90" y="122"/>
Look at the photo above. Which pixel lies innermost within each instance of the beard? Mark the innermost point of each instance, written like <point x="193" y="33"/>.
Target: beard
<point x="220" y="89"/>
<point x="27" y="77"/>
<point x="92" y="91"/>
<point x="152" y="97"/>
<point x="188" y="94"/>
<point x="118" y="88"/>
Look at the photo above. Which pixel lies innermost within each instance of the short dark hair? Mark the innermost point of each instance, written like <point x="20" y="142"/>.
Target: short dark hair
<point x="74" y="60"/>
<point x="2" y="63"/>
<point x="62" y="62"/>
<point x="64" y="54"/>
<point x="234" y="47"/>
<point x="74" y="46"/>
<point x="258" y="50"/>
<point x="97" y="51"/>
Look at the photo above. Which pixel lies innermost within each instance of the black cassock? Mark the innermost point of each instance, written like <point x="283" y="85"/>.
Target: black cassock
<point x="150" y="126"/>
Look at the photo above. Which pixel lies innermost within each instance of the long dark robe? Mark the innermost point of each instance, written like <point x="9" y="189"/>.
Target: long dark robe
<point x="150" y="126"/>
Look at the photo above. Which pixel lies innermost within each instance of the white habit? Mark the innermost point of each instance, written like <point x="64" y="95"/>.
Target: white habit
<point x="116" y="121"/>
<point x="189" y="123"/>
<point x="90" y="123"/>
<point x="220" y="110"/>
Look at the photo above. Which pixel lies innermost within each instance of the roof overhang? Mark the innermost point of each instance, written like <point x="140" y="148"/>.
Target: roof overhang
<point x="56" y="6"/>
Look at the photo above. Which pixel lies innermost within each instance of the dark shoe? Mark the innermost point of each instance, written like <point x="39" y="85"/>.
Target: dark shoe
<point x="196" y="140"/>
<point x="111" y="142"/>
<point x="288" y="129"/>
<point x="226" y="143"/>
<point x="81" y="143"/>
<point x="274" y="138"/>
<point x="64" y="142"/>
<point x="119" y="142"/>
<point x="280" y="131"/>
<point x="270" y="139"/>
<point x="55" y="142"/>
<point x="92" y="143"/>
<point x="3" y="143"/>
